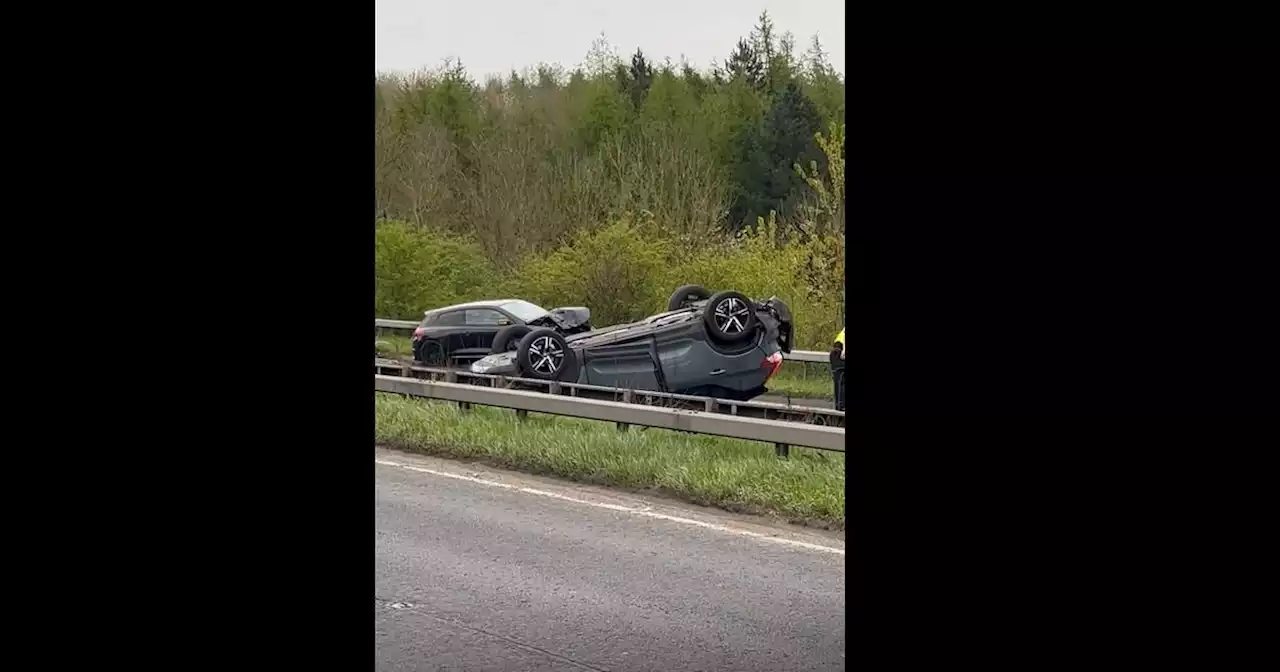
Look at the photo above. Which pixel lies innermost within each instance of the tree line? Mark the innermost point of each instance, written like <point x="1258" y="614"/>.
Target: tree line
<point x="606" y="183"/>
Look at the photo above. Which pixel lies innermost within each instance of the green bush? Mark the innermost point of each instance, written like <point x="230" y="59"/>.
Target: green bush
<point x="757" y="266"/>
<point x="619" y="271"/>
<point x="417" y="269"/>
<point x="623" y="271"/>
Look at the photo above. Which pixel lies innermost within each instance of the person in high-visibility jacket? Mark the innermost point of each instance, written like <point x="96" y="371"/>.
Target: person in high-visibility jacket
<point x="837" y="369"/>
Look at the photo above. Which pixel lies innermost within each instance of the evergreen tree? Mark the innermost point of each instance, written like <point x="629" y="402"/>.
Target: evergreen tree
<point x="785" y="68"/>
<point x="765" y="177"/>
<point x="823" y="84"/>
<point x="717" y="73"/>
<point x="641" y="78"/>
<point x="762" y="43"/>
<point x="745" y="63"/>
<point x="696" y="83"/>
<point x="622" y="79"/>
<point x="816" y="58"/>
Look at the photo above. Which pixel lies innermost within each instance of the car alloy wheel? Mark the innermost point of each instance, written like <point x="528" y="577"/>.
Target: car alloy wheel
<point x="730" y="315"/>
<point x="545" y="355"/>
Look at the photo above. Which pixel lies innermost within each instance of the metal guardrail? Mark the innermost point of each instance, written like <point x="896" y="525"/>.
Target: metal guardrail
<point x="380" y="323"/>
<point x="795" y="355"/>
<point x="811" y="356"/>
<point x="750" y="429"/>
<point x="810" y="415"/>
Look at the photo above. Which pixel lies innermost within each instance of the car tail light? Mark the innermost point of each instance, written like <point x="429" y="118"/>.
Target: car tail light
<point x="417" y="333"/>
<point x="773" y="363"/>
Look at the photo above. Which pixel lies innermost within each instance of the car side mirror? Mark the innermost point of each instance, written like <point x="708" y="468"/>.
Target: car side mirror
<point x="502" y="321"/>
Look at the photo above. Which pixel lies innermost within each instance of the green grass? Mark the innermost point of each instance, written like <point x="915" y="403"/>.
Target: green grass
<point x="393" y="345"/>
<point x="740" y="476"/>
<point x="793" y="379"/>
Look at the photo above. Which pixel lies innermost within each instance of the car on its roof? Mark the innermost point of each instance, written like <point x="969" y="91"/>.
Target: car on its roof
<point x="723" y="345"/>
<point x="466" y="331"/>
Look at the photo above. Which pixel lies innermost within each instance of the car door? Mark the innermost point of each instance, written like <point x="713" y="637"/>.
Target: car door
<point x="628" y="365"/>
<point x="483" y="325"/>
<point x="450" y="329"/>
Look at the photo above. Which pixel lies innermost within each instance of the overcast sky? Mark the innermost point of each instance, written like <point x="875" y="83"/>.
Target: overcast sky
<point x="494" y="36"/>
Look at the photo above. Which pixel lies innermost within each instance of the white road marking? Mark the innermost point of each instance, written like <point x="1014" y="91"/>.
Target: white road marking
<point x="617" y="507"/>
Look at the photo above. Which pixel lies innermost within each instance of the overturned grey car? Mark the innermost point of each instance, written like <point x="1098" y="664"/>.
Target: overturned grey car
<point x="721" y="345"/>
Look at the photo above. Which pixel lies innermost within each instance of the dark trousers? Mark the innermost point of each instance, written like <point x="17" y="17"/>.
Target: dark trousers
<point x="837" y="378"/>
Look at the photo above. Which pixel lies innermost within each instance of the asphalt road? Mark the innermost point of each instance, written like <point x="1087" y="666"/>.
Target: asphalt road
<point x="475" y="577"/>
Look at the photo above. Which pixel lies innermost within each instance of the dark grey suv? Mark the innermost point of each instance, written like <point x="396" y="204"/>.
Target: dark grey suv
<point x="468" y="331"/>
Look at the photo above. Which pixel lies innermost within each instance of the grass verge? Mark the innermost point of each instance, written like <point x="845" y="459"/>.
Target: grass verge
<point x="739" y="476"/>
<point x="393" y="345"/>
<point x="794" y="380"/>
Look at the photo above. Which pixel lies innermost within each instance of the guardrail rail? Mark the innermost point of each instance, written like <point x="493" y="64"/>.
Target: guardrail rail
<point x="763" y="410"/>
<point x="712" y="419"/>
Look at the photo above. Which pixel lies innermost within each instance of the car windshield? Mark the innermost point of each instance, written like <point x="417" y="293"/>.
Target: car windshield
<point x="527" y="312"/>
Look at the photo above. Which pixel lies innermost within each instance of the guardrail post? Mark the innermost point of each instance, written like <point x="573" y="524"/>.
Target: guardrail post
<point x="452" y="377"/>
<point x="782" y="450"/>
<point x="501" y="383"/>
<point x="406" y="371"/>
<point x="711" y="405"/>
<point x="627" y="397"/>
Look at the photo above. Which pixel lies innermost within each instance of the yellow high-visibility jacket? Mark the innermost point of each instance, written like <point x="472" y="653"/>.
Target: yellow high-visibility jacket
<point x="840" y="337"/>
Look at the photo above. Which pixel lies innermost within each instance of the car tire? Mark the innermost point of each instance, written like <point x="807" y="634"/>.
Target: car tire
<point x="685" y="295"/>
<point x="786" y="337"/>
<point x="431" y="353"/>
<point x="543" y="354"/>
<point x="730" y="317"/>
<point x="508" y="338"/>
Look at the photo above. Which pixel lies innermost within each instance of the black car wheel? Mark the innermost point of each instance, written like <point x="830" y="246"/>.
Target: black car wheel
<point x="785" y="327"/>
<point x="508" y="338"/>
<point x="431" y="353"/>
<point x="687" y="295"/>
<point x="545" y="355"/>
<point x="730" y="317"/>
